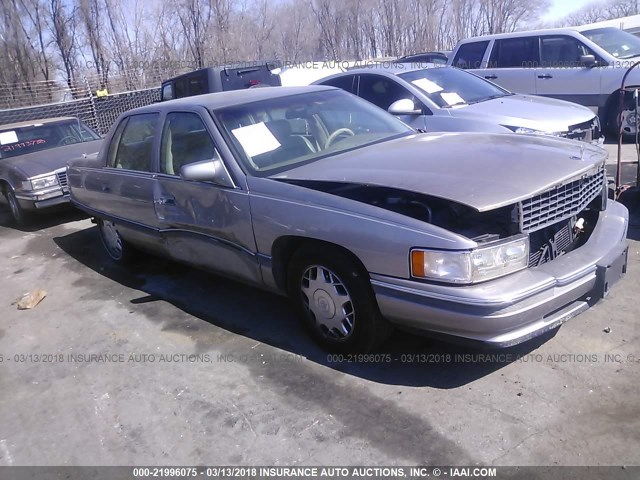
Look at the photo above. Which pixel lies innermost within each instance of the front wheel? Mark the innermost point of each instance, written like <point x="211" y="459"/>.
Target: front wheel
<point x="116" y="247"/>
<point x="20" y="217"/>
<point x="333" y="297"/>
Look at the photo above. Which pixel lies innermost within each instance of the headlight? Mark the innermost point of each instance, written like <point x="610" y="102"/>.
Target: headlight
<point x="478" y="265"/>
<point x="530" y="131"/>
<point x="44" y="182"/>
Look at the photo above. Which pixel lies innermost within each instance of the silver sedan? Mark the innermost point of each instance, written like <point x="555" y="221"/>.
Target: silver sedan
<point x="447" y="99"/>
<point x="316" y="194"/>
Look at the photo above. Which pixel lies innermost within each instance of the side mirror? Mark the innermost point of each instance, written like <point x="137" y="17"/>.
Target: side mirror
<point x="207" y="171"/>
<point x="588" y="61"/>
<point x="404" y="106"/>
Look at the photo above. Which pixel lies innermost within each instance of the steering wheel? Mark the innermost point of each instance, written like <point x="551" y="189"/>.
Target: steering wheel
<point x="68" y="140"/>
<point x="334" y="136"/>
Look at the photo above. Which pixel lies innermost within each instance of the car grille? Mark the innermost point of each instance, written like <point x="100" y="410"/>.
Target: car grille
<point x="560" y="203"/>
<point x="585" y="132"/>
<point x="62" y="179"/>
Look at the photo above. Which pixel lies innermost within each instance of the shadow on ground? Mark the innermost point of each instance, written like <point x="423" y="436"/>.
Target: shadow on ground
<point x="408" y="359"/>
<point x="41" y="220"/>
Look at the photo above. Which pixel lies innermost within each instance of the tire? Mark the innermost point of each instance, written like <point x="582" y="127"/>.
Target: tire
<point x="20" y="217"/>
<point x="614" y="118"/>
<point x="116" y="247"/>
<point x="335" y="301"/>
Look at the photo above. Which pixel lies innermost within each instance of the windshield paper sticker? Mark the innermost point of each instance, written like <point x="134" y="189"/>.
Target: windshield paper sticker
<point x="256" y="139"/>
<point x="427" y="85"/>
<point x="8" y="137"/>
<point x="451" y="98"/>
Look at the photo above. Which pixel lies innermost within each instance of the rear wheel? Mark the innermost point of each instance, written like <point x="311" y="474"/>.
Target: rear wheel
<point x="333" y="297"/>
<point x="629" y="120"/>
<point x="116" y="247"/>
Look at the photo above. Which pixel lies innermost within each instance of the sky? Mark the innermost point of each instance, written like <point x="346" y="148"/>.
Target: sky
<point x="562" y="8"/>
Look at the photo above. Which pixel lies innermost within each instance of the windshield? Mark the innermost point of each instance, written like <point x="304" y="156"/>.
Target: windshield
<point x="446" y="86"/>
<point x="42" y="136"/>
<point x="617" y="42"/>
<point x="278" y="134"/>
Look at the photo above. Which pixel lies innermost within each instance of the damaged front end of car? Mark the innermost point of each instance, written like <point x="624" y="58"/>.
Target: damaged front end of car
<point x="552" y="223"/>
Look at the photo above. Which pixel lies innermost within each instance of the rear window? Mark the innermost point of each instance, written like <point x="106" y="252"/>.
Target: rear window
<point x="239" y="78"/>
<point x="523" y="52"/>
<point x="219" y="79"/>
<point x="470" y="55"/>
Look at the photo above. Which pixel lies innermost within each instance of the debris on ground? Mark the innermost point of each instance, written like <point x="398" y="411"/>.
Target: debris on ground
<point x="607" y="330"/>
<point x="31" y="300"/>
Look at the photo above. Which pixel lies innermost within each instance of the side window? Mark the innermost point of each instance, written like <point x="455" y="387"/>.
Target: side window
<point x="382" y="91"/>
<point x="180" y="88"/>
<point x="197" y="84"/>
<point x="523" y="52"/>
<point x="135" y="143"/>
<point x="470" y="55"/>
<point x="167" y="91"/>
<point x="115" y="141"/>
<point x="88" y="134"/>
<point x="562" y="51"/>
<point x="344" y="82"/>
<point x="184" y="140"/>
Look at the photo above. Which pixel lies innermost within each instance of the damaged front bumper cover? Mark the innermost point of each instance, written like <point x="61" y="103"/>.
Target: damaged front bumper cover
<point x="520" y="306"/>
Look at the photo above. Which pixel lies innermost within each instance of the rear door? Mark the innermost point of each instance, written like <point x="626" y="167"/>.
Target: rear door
<point x="203" y="223"/>
<point x="562" y="76"/>
<point x="512" y="64"/>
<point x="124" y="189"/>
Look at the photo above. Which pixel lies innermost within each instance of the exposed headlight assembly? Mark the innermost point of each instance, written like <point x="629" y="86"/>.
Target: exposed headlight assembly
<point x="530" y="131"/>
<point x="44" y="182"/>
<point x="471" y="266"/>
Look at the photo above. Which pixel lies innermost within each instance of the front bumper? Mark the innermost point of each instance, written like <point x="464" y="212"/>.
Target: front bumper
<point x="520" y="306"/>
<point x="37" y="200"/>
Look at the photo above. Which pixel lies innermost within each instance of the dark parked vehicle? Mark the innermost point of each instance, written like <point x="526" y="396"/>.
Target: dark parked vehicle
<point x="219" y="79"/>
<point x="315" y="193"/>
<point x="33" y="159"/>
<point x="435" y="58"/>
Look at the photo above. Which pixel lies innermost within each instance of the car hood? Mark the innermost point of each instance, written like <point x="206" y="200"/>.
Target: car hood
<point x="483" y="171"/>
<point x="538" y="113"/>
<point x="37" y="163"/>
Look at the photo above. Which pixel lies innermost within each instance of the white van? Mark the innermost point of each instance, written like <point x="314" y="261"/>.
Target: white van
<point x="584" y="65"/>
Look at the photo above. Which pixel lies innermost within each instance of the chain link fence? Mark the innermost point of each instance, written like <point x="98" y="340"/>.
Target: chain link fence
<point x="46" y="99"/>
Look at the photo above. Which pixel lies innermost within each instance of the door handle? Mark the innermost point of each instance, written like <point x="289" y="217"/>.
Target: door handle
<point x="170" y="201"/>
<point x="545" y="76"/>
<point x="491" y="77"/>
<point x="105" y="188"/>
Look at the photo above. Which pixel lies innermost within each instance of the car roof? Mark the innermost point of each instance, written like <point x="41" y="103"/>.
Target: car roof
<point x="527" y="33"/>
<point x="230" y="98"/>
<point x="40" y="121"/>
<point x="420" y="54"/>
<point x="393" y="68"/>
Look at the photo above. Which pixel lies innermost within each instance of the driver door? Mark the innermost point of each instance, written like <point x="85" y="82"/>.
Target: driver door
<point x="383" y="91"/>
<point x="562" y="76"/>
<point x="203" y="224"/>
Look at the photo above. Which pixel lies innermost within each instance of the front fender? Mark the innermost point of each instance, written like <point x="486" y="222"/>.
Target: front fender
<point x="380" y="239"/>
